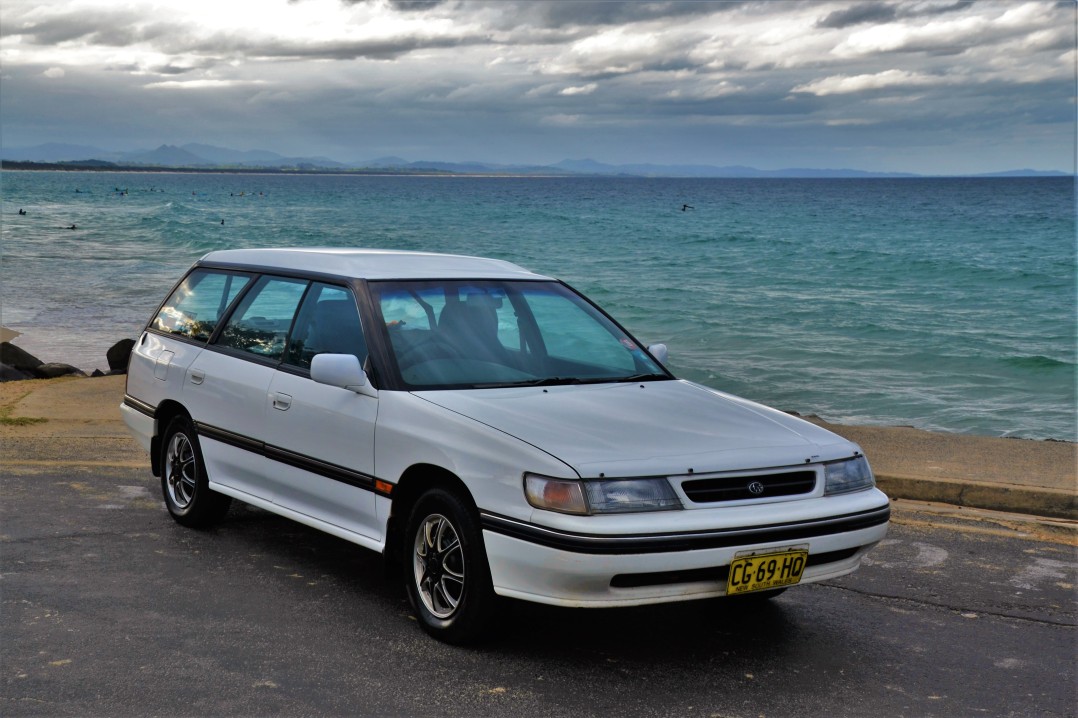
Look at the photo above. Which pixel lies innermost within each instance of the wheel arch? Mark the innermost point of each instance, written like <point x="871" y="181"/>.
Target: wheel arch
<point x="413" y="483"/>
<point x="167" y="410"/>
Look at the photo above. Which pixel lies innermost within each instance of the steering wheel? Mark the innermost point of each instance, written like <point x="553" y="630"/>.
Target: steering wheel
<point x="429" y="348"/>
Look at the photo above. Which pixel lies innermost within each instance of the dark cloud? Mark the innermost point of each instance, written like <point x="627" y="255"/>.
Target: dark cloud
<point x="929" y="10"/>
<point x="112" y="28"/>
<point x="402" y="5"/>
<point x="560" y="15"/>
<point x="118" y="28"/>
<point x="856" y="15"/>
<point x="277" y="49"/>
<point x="410" y="5"/>
<point x="870" y="12"/>
<point x="170" y="69"/>
<point x="91" y="27"/>
<point x="53" y="31"/>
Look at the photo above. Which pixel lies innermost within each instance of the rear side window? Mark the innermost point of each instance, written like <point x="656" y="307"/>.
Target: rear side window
<point x="261" y="322"/>
<point x="195" y="307"/>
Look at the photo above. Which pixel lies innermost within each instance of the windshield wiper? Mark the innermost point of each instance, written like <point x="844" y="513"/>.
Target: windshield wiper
<point x="561" y="380"/>
<point x="572" y="380"/>
<point x="642" y="377"/>
<point x="551" y="381"/>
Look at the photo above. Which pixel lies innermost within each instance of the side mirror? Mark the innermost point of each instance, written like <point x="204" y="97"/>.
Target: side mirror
<point x="660" y="352"/>
<point x="341" y="370"/>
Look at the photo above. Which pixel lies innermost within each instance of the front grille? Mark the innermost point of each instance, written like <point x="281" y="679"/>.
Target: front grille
<point x="735" y="488"/>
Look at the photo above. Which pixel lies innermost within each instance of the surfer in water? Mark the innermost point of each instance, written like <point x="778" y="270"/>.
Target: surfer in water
<point x="685" y="207"/>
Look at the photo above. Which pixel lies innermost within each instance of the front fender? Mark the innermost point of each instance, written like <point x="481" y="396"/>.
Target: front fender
<point x="489" y="462"/>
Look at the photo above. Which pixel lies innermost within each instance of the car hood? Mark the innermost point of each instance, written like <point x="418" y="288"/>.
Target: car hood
<point x="650" y="428"/>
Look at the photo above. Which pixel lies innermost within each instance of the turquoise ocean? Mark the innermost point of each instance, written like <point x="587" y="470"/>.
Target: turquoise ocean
<point x="945" y="304"/>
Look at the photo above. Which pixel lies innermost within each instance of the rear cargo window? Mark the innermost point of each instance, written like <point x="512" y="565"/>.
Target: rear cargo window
<point x="194" y="308"/>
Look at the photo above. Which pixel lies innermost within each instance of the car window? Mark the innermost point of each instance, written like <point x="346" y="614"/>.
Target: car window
<point x="413" y="308"/>
<point x="570" y="331"/>
<point x="261" y="322"/>
<point x="499" y="333"/>
<point x="194" y="308"/>
<point x="327" y="323"/>
<point x="452" y="333"/>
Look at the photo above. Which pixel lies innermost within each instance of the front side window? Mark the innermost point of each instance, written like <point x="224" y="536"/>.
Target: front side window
<point x="327" y="323"/>
<point x="194" y="308"/>
<point x="260" y="323"/>
<point x="504" y="333"/>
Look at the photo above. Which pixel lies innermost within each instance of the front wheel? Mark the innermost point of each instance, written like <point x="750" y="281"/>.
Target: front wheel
<point x="446" y="573"/>
<point x="183" y="478"/>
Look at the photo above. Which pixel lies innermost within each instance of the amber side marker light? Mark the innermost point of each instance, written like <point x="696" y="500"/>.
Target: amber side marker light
<point x="383" y="487"/>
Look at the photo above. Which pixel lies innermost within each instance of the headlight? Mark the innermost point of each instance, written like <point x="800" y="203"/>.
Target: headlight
<point x="600" y="496"/>
<point x="850" y="475"/>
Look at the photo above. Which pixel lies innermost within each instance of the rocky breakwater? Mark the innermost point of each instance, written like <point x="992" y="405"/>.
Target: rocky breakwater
<point x="16" y="364"/>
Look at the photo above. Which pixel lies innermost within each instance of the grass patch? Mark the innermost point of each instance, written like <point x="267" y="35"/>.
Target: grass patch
<point x="6" y="419"/>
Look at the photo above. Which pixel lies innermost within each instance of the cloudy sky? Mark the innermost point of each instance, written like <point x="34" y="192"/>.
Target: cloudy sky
<point x="932" y="86"/>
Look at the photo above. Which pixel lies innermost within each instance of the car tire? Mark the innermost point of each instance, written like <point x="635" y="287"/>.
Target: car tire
<point x="446" y="573"/>
<point x="183" y="478"/>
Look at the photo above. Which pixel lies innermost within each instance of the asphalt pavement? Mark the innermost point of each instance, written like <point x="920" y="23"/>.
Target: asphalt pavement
<point x="109" y="608"/>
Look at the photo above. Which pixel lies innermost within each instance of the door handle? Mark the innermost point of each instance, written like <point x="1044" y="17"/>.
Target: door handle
<point x="197" y="376"/>
<point x="281" y="402"/>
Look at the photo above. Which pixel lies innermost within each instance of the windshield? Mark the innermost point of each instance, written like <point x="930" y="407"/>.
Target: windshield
<point x="446" y="334"/>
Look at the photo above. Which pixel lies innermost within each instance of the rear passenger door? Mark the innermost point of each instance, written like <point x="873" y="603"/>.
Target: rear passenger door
<point x="319" y="438"/>
<point x="225" y="387"/>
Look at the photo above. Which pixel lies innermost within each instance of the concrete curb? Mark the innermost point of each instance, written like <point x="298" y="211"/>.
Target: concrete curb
<point x="1037" y="501"/>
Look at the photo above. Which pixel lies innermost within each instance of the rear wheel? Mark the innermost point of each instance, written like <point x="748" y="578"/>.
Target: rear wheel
<point x="183" y="478"/>
<point x="445" y="572"/>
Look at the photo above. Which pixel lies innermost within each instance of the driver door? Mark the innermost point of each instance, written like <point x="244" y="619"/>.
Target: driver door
<point x="319" y="438"/>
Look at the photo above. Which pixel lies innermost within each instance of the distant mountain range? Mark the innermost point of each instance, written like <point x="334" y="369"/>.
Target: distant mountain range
<point x="209" y="157"/>
<point x="189" y="155"/>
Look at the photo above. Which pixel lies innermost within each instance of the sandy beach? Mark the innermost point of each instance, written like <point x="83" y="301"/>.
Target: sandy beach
<point x="77" y="421"/>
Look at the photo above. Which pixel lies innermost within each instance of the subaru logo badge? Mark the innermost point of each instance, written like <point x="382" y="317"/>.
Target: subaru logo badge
<point x="756" y="488"/>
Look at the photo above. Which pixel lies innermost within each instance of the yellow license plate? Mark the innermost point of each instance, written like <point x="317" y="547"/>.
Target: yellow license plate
<point x="766" y="570"/>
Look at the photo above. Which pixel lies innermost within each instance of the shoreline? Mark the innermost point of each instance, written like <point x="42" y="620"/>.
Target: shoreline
<point x="87" y="356"/>
<point x="25" y="166"/>
<point x="7" y="335"/>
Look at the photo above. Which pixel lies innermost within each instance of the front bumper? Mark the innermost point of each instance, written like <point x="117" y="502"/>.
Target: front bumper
<point x="573" y="569"/>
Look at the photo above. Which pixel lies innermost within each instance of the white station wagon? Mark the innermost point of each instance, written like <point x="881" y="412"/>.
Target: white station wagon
<point x="489" y="429"/>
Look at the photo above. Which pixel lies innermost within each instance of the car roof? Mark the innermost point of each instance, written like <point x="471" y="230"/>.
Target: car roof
<point x="371" y="263"/>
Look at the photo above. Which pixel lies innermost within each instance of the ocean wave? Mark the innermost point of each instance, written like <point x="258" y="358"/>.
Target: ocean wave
<point x="1038" y="362"/>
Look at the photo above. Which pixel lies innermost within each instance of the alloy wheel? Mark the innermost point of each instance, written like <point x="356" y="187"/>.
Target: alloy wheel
<point x="438" y="564"/>
<point x="181" y="467"/>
